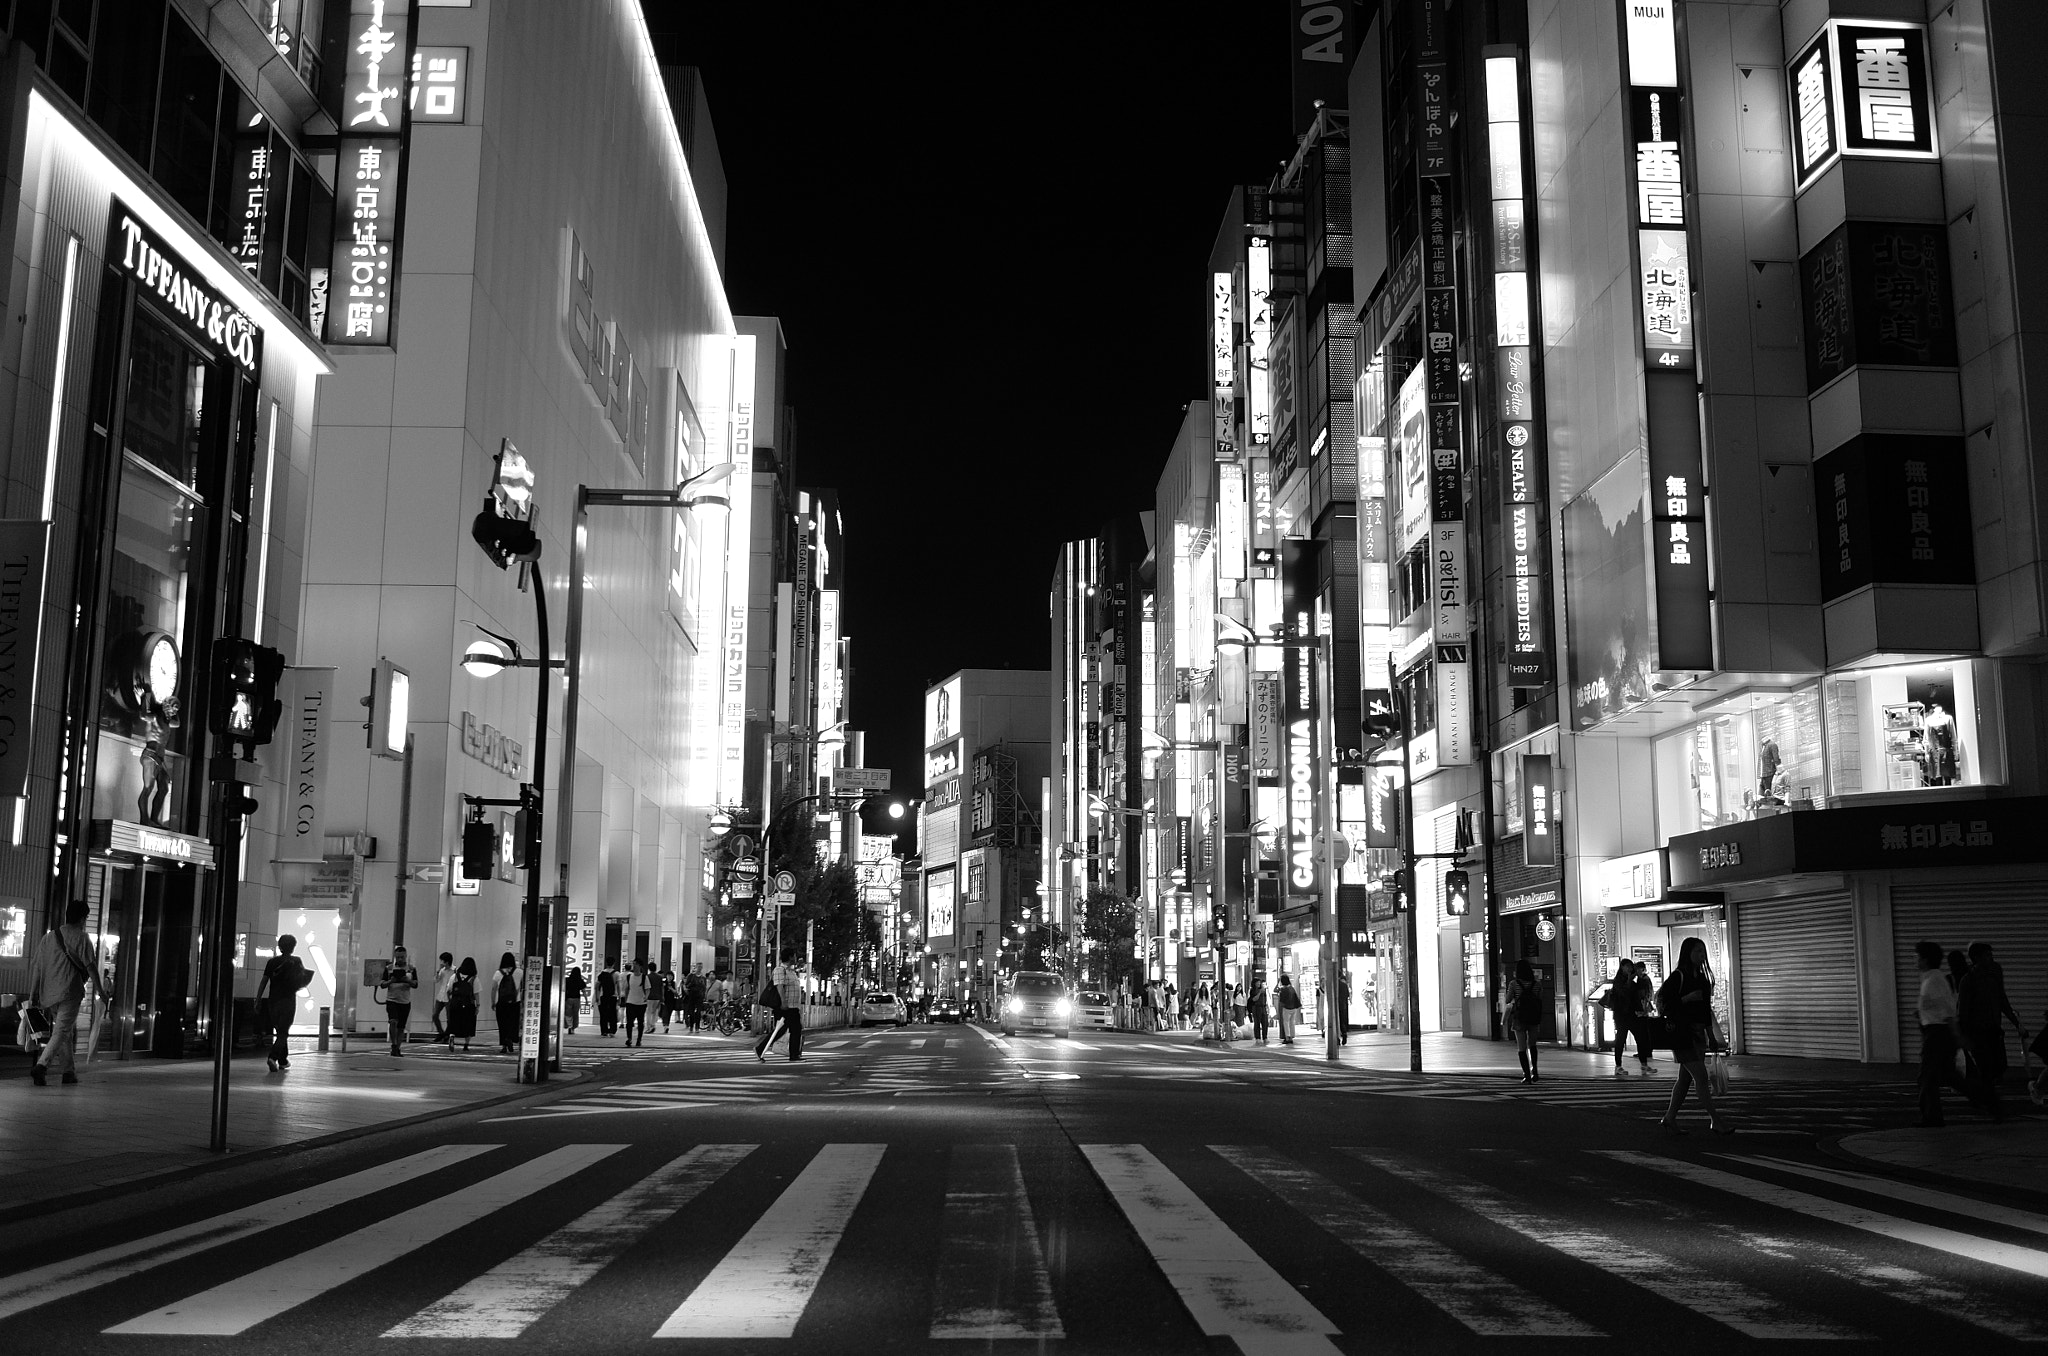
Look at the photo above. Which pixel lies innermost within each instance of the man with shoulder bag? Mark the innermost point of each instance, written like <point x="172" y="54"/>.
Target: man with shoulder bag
<point x="58" y="974"/>
<point x="277" y="999"/>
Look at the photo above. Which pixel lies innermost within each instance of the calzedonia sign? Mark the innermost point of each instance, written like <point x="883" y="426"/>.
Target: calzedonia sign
<point x="1301" y="701"/>
<point x="223" y="327"/>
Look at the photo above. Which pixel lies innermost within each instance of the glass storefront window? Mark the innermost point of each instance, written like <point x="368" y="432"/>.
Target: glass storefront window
<point x="153" y="618"/>
<point x="1755" y="754"/>
<point x="1912" y="727"/>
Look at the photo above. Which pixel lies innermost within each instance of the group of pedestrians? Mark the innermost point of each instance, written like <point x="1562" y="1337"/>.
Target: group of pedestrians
<point x="620" y="1000"/>
<point x="1963" y="1007"/>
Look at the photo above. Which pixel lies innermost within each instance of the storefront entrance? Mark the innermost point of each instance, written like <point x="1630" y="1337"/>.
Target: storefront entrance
<point x="1538" y="938"/>
<point x="149" y="953"/>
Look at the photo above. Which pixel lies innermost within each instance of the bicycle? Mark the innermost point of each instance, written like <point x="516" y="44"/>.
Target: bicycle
<point x="725" y="1020"/>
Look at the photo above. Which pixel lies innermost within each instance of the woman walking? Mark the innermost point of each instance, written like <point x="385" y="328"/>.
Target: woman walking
<point x="608" y="1000"/>
<point x="1687" y="1004"/>
<point x="462" y="1004"/>
<point x="400" y="979"/>
<point x="572" y="997"/>
<point x="1290" y="1009"/>
<point x="1255" y="1004"/>
<point x="505" y="1003"/>
<point x="671" y="997"/>
<point x="1522" y="1004"/>
<point x="639" y="993"/>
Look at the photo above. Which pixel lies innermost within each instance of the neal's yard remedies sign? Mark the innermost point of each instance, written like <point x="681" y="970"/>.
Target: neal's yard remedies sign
<point x="223" y="327"/>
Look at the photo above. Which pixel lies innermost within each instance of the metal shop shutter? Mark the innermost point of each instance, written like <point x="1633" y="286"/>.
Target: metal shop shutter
<point x="2012" y="915"/>
<point x="1799" y="991"/>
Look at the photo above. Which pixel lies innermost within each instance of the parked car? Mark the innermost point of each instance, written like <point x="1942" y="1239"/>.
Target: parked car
<point x="1038" y="1001"/>
<point x="882" y="1007"/>
<point x="1092" y="1008"/>
<point x="946" y="1010"/>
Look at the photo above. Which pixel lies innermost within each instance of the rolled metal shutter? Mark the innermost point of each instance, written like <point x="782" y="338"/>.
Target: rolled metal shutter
<point x="1799" y="989"/>
<point x="2012" y="915"/>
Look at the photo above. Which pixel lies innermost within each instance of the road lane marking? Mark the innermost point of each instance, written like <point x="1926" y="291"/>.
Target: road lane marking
<point x="1484" y="1301"/>
<point x="240" y="1304"/>
<point x="513" y="1295"/>
<point x="991" y="1282"/>
<point x="58" y="1280"/>
<point x="760" y="1288"/>
<point x="1227" y="1288"/>
<point x="2028" y="1261"/>
<point x="1715" y="1297"/>
<point x="1948" y="1203"/>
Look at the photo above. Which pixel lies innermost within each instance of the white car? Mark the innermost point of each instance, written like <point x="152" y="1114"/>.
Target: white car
<point x="886" y="1008"/>
<point x="1092" y="1008"/>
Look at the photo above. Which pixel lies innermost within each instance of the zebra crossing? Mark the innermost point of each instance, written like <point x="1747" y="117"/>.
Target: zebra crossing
<point x="1465" y="1243"/>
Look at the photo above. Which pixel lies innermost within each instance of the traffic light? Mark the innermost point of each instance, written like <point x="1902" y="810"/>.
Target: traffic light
<point x="1457" y="892"/>
<point x="236" y="800"/>
<point x="1382" y="721"/>
<point x="522" y="839"/>
<point x="390" y="703"/>
<point x="504" y="527"/>
<point x="242" y="704"/>
<point x="479" y="848"/>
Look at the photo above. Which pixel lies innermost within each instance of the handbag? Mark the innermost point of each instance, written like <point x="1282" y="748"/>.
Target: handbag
<point x="1717" y="1071"/>
<point x="33" y="1029"/>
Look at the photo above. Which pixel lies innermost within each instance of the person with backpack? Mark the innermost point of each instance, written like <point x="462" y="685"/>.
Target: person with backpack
<point x="277" y="999"/>
<point x="640" y="991"/>
<point x="1686" y="1002"/>
<point x="58" y="974"/>
<point x="399" y="980"/>
<point x="462" y="1004"/>
<point x="1624" y="1001"/>
<point x="505" y="1004"/>
<point x="1289" y="1002"/>
<point x="572" y="997"/>
<point x="608" y="1000"/>
<point x="671" y="997"/>
<point x="1522" y="1004"/>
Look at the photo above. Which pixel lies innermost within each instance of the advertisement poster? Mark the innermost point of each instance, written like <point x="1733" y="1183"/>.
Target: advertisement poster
<point x="1412" y="456"/>
<point x="1607" y="592"/>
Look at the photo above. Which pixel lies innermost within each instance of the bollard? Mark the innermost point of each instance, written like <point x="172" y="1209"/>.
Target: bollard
<point x="325" y="1014"/>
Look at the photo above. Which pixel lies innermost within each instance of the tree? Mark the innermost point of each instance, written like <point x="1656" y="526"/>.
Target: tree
<point x="1109" y="923"/>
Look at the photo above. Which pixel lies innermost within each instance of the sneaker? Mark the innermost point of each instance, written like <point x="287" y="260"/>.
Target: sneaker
<point x="1648" y="1067"/>
<point x="35" y="1071"/>
<point x="269" y="1064"/>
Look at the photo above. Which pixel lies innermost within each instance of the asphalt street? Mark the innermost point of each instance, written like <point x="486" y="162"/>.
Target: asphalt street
<point x="945" y="1189"/>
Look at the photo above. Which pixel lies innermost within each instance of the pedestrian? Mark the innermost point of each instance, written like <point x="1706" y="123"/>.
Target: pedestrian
<point x="1172" y="995"/>
<point x="608" y="1000"/>
<point x="277" y="999"/>
<point x="462" y="1004"/>
<point x="1255" y="1004"/>
<point x="505" y="1004"/>
<point x="1343" y="1009"/>
<point x="791" y="984"/>
<point x="1289" y="1003"/>
<point x="640" y="991"/>
<point x="1686" y="1002"/>
<point x="1522" y="1004"/>
<point x="1939" y="1020"/>
<point x="671" y="998"/>
<point x="400" y="979"/>
<point x="1620" y="1002"/>
<point x="770" y="1002"/>
<point x="1236" y="1006"/>
<point x="1983" y="1009"/>
<point x="444" y="975"/>
<point x="1958" y="966"/>
<point x="1645" y="1002"/>
<point x="58" y="973"/>
<point x="572" y="996"/>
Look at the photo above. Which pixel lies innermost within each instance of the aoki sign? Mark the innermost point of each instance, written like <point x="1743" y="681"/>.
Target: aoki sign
<point x="223" y="327"/>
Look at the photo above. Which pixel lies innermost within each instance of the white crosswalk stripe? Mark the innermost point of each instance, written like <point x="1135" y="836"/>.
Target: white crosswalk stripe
<point x="1723" y="1300"/>
<point x="762" y="1285"/>
<point x="1488" y="1241"/>
<point x="240" y="1304"/>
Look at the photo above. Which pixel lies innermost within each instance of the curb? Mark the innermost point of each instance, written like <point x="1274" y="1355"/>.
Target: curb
<point x="1831" y="1146"/>
<point x="237" y="1157"/>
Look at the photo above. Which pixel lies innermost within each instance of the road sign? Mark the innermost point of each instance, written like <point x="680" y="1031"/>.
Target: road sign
<point x="433" y="873"/>
<point x="785" y="881"/>
<point x="742" y="845"/>
<point x="747" y="866"/>
<point x="743" y="889"/>
<point x="860" y="779"/>
<point x="782" y="899"/>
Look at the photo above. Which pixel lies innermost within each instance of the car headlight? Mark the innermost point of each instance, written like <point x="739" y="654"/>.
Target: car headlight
<point x="1062" y="1008"/>
<point x="1016" y="1005"/>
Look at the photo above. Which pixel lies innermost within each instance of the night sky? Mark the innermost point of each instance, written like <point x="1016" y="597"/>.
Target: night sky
<point x="987" y="247"/>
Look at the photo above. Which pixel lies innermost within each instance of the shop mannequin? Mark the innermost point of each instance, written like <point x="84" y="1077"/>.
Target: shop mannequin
<point x="1767" y="764"/>
<point x="1938" y="745"/>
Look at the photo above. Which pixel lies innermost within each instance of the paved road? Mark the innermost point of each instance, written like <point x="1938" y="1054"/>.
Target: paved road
<point x="942" y="1189"/>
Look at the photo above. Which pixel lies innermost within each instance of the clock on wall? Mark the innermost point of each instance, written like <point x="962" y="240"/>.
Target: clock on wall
<point x="160" y="666"/>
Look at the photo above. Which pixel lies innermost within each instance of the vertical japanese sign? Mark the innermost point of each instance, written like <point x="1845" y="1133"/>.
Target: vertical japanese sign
<point x="1301" y="712"/>
<point x="1660" y="179"/>
<point x="1539" y="817"/>
<point x="1448" y="582"/>
<point x="369" y="172"/>
<point x="1259" y="339"/>
<point x="1521" y="433"/>
<point x="1223" y="362"/>
<point x="1860" y="89"/>
<point x="1266" y="705"/>
<point x="24" y="550"/>
<point x="739" y="441"/>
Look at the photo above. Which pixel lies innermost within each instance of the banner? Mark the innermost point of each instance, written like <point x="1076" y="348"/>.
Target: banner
<point x="1382" y="808"/>
<point x="1539" y="823"/>
<point x="300" y="759"/>
<point x="1301" y="710"/>
<point x="1265" y="708"/>
<point x="24" y="550"/>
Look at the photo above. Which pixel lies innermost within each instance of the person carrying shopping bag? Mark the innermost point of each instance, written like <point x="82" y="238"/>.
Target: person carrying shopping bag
<point x="1289" y="1001"/>
<point x="277" y="999"/>
<point x="1687" y="1003"/>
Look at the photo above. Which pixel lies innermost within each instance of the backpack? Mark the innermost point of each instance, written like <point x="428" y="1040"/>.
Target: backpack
<point x="508" y="992"/>
<point x="462" y="993"/>
<point x="694" y="986"/>
<point x="1529" y="1004"/>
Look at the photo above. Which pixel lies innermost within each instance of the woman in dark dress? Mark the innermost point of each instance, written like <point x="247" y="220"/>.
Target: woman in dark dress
<point x="505" y="1003"/>
<point x="572" y="997"/>
<point x="608" y="1001"/>
<point x="462" y="1004"/>
<point x="1686" y="1001"/>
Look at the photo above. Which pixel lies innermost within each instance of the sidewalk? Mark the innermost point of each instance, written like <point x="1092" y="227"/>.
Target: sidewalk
<point x="127" y="1121"/>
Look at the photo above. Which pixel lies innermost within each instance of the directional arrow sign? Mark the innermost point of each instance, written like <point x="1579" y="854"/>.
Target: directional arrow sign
<point x="860" y="779"/>
<point x="433" y="873"/>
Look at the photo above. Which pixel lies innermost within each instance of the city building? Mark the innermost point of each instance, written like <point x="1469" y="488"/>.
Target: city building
<point x="552" y="317"/>
<point x="980" y="835"/>
<point x="162" y="213"/>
